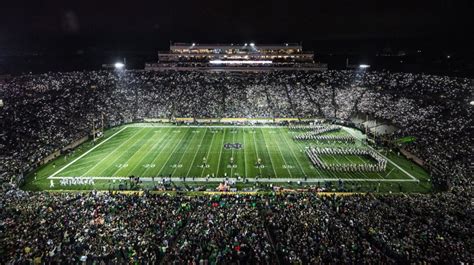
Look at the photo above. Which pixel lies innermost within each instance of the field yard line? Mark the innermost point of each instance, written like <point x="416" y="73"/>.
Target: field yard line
<point x="284" y="160"/>
<point x="146" y="155"/>
<point x="208" y="151"/>
<point x="184" y="153"/>
<point x="126" y="162"/>
<point x="268" y="152"/>
<point x="158" y="154"/>
<point x="220" y="154"/>
<point x="391" y="162"/>
<point x="245" y="157"/>
<point x="87" y="152"/>
<point x="390" y="172"/>
<point x="100" y="161"/>
<point x="171" y="154"/>
<point x="195" y="154"/>
<point x="294" y="155"/>
<point x="256" y="150"/>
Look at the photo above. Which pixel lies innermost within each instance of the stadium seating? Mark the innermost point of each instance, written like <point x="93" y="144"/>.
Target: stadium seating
<point x="43" y="113"/>
<point x="46" y="112"/>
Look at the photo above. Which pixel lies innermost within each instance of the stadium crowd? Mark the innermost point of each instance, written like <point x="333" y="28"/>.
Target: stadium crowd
<point x="45" y="113"/>
<point x="294" y="228"/>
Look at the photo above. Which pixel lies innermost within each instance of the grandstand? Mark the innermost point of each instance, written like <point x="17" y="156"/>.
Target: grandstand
<point x="257" y="167"/>
<point x="236" y="57"/>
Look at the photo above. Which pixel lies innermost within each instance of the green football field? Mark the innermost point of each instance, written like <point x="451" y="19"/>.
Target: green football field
<point x="211" y="153"/>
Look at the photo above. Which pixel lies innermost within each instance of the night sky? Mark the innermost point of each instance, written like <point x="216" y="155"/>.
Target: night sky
<point x="84" y="25"/>
<point x="230" y="19"/>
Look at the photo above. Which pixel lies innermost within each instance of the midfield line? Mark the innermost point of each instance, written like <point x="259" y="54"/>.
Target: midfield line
<point x="87" y="152"/>
<point x="197" y="151"/>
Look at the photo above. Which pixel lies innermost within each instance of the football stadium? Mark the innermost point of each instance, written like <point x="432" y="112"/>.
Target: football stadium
<point x="115" y="149"/>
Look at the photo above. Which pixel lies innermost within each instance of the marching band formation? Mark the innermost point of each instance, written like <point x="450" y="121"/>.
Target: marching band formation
<point x="326" y="138"/>
<point x="314" y="156"/>
<point x="305" y="127"/>
<point x="316" y="132"/>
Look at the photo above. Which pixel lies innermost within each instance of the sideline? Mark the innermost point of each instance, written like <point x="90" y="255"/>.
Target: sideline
<point x="85" y="153"/>
<point x="391" y="162"/>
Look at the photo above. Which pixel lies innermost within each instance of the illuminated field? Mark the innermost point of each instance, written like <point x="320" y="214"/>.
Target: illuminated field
<point x="211" y="153"/>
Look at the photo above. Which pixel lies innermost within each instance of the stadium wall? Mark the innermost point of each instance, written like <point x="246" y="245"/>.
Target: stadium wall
<point x="412" y="157"/>
<point x="75" y="143"/>
<point x="50" y="157"/>
<point x="230" y="120"/>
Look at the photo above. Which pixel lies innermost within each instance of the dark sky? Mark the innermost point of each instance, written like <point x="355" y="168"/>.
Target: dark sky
<point x="226" y="20"/>
<point x="65" y="35"/>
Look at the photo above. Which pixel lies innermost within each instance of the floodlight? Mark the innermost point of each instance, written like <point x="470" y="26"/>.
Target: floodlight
<point x="245" y="44"/>
<point x="194" y="44"/>
<point x="119" y="65"/>
<point x="363" y="66"/>
<point x="252" y="44"/>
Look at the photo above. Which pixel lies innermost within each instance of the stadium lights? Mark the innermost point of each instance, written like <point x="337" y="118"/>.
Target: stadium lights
<point x="363" y="66"/>
<point x="252" y="44"/>
<point x="245" y="44"/>
<point x="194" y="44"/>
<point x="239" y="62"/>
<point x="119" y="65"/>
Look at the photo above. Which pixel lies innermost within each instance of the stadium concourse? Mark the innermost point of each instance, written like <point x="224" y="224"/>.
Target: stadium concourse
<point x="45" y="113"/>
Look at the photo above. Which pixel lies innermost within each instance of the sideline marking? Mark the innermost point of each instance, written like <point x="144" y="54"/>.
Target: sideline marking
<point x="397" y="166"/>
<point x="271" y="180"/>
<point x="87" y="152"/>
